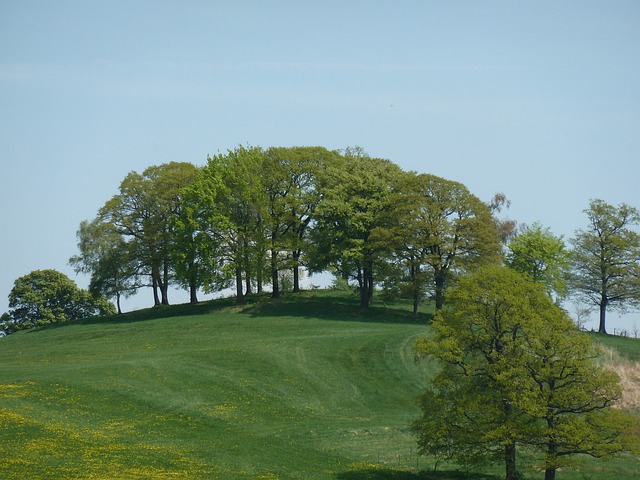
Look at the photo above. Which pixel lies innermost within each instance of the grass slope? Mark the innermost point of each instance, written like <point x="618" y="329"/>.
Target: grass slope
<point x="309" y="387"/>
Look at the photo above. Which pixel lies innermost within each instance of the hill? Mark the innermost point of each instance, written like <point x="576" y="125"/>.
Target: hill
<point x="309" y="387"/>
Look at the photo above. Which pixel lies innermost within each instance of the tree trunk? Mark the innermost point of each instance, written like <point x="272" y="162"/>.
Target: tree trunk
<point x="193" y="294"/>
<point x="275" y="285"/>
<point x="164" y="283"/>
<point x="247" y="275"/>
<point x="439" y="288"/>
<point x="603" y="314"/>
<point x="193" y="283"/>
<point x="164" y="291"/>
<point x="365" y="280"/>
<point x="510" y="461"/>
<point x="118" y="303"/>
<point x="247" y="282"/>
<point x="550" y="473"/>
<point x="552" y="452"/>
<point x="239" y="290"/>
<point x="369" y="276"/>
<point x="509" y="448"/>
<point x="296" y="271"/>
<point x="154" y="282"/>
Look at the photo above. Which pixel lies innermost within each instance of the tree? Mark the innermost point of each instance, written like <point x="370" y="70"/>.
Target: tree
<point x="358" y="197"/>
<point x="226" y="218"/>
<point x="291" y="187"/>
<point x="454" y="230"/>
<point x="507" y="228"/>
<point x="143" y="211"/>
<point x="48" y="296"/>
<point x="105" y="255"/>
<point x="406" y="274"/>
<point x="537" y="252"/>
<point x="606" y="259"/>
<point x="569" y="398"/>
<point x="515" y="371"/>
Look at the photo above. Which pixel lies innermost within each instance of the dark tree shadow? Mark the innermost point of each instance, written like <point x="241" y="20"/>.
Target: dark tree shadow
<point x="327" y="305"/>
<point x="394" y="474"/>
<point x="336" y="307"/>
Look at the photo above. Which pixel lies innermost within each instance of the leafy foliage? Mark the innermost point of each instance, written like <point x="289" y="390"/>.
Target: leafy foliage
<point x="606" y="259"/>
<point x="359" y="194"/>
<point x="142" y="213"/>
<point x="537" y="252"/>
<point x="48" y="296"/>
<point x="515" y="371"/>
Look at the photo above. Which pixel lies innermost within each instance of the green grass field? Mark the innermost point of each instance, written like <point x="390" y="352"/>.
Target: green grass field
<point x="309" y="387"/>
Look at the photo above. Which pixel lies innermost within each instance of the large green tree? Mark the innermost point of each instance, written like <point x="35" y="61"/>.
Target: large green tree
<point x="290" y="180"/>
<point x="143" y="212"/>
<point x="606" y="259"/>
<point x="49" y="296"/>
<point x="224" y="216"/>
<point x="359" y="194"/>
<point x="568" y="397"/>
<point x="451" y="230"/>
<point x="515" y="371"/>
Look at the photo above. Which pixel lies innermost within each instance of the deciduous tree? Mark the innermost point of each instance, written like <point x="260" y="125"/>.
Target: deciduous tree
<point x="105" y="255"/>
<point x="454" y="231"/>
<point x="291" y="187"/>
<point x="143" y="212"/>
<point x="515" y="371"/>
<point x="606" y="259"/>
<point x="48" y="296"/>
<point x="537" y="252"/>
<point x="227" y="217"/>
<point x="358" y="196"/>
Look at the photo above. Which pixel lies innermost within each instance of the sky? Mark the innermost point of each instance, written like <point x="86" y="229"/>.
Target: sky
<point x="538" y="100"/>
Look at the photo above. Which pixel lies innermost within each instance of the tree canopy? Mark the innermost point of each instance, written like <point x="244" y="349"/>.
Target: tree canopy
<point x="48" y="296"/>
<point x="515" y="371"/>
<point x="251" y="217"/>
<point x="540" y="254"/>
<point x="359" y="194"/>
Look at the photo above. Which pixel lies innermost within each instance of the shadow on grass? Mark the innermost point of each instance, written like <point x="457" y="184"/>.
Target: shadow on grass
<point x="336" y="306"/>
<point x="319" y="304"/>
<point x="395" y="474"/>
<point x="153" y="313"/>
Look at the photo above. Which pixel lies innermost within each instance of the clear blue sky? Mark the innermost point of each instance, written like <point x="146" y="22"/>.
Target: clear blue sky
<point x="539" y="100"/>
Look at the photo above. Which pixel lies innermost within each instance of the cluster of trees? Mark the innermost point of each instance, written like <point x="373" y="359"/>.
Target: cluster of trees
<point x="514" y="369"/>
<point x="251" y="214"/>
<point x="516" y="372"/>
<point x="250" y="217"/>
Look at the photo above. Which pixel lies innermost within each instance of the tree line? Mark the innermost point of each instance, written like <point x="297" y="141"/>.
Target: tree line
<point x="251" y="214"/>
<point x="252" y="217"/>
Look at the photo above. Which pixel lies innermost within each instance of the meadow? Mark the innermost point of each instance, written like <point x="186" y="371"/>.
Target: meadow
<point x="306" y="387"/>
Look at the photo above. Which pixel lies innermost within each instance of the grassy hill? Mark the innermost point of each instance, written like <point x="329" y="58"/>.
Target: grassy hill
<point x="309" y="387"/>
